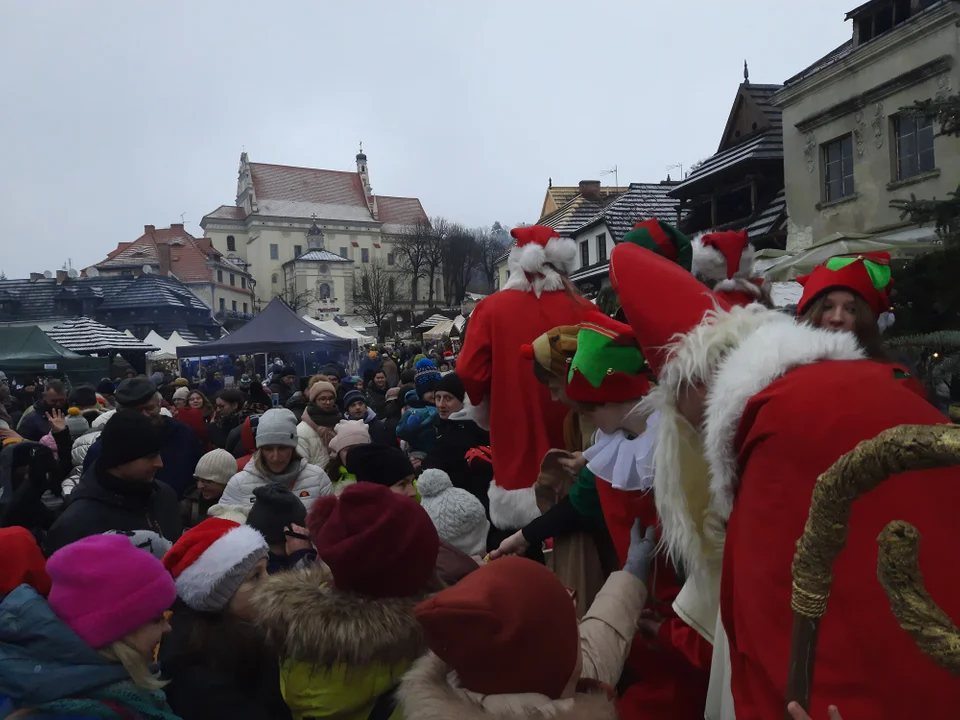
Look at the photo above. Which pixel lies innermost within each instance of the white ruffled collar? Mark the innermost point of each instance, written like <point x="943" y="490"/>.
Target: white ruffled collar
<point x="623" y="461"/>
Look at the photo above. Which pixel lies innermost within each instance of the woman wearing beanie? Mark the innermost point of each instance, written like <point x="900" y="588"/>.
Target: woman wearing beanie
<point x="215" y="658"/>
<point x="458" y="516"/>
<point x="317" y="423"/>
<point x="277" y="460"/>
<point x="347" y="434"/>
<point x="505" y="643"/>
<point x="179" y="399"/>
<point x="212" y="474"/>
<point x="79" y="451"/>
<point x="94" y="637"/>
<point x="458" y="434"/>
<point x="345" y="628"/>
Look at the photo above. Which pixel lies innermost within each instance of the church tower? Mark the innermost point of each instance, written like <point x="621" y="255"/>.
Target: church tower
<point x="365" y="180"/>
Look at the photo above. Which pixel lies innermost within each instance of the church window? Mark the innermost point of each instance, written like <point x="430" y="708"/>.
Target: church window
<point x="274" y="251"/>
<point x="364" y="255"/>
<point x="231" y="242"/>
<point x="324" y="291"/>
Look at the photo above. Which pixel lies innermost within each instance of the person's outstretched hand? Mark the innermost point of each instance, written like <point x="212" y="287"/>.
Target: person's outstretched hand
<point x="639" y="556"/>
<point x="516" y="544"/>
<point x="58" y="423"/>
<point x="798" y="713"/>
<point x="573" y="464"/>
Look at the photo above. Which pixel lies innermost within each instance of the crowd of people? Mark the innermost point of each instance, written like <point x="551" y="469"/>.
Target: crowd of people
<point x="578" y="516"/>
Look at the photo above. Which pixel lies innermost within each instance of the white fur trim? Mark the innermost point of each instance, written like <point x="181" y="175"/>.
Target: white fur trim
<point x="763" y="357"/>
<point x="710" y="263"/>
<point x="561" y="253"/>
<point x="512" y="509"/>
<point x="738" y="285"/>
<point x="480" y="414"/>
<point x="220" y="558"/>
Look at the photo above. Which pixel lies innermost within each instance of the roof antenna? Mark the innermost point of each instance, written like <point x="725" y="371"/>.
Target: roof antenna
<point x="616" y="177"/>
<point x="181" y="217"/>
<point x="746" y="73"/>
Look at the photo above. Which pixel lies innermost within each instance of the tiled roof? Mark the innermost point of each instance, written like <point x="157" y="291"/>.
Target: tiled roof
<point x="85" y="335"/>
<point x="770" y="218"/>
<point x="191" y="259"/>
<point x="152" y="290"/>
<point x="830" y="58"/>
<point x="567" y="219"/>
<point x="764" y="145"/>
<point x="399" y="212"/>
<point x="321" y="256"/>
<point x="762" y="95"/>
<point x="641" y="201"/>
<point x="228" y="212"/>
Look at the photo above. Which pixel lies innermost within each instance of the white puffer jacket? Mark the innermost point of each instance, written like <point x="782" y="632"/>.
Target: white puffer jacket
<point x="311" y="446"/>
<point x="77" y="455"/>
<point x="308" y="482"/>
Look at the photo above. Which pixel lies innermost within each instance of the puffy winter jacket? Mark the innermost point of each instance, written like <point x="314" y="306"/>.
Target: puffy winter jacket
<point x="311" y="446"/>
<point x="80" y="447"/>
<point x="308" y="482"/>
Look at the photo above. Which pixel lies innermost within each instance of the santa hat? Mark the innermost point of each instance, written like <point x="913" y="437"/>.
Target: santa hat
<point x="663" y="239"/>
<point x="608" y="365"/>
<point x="210" y="561"/>
<point x="540" y="259"/>
<point x="660" y="299"/>
<point x="553" y="350"/>
<point x="725" y="261"/>
<point x="867" y="275"/>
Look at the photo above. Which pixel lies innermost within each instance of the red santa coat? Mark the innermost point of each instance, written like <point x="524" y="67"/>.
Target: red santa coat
<point x="789" y="433"/>
<point x="524" y="422"/>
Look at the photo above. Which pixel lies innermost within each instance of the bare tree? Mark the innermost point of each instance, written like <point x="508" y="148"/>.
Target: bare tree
<point x="412" y="247"/>
<point x="374" y="295"/>
<point x="298" y="301"/>
<point x="459" y="262"/>
<point x="491" y="244"/>
<point x="433" y="260"/>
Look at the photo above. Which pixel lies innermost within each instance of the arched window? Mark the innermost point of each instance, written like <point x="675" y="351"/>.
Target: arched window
<point x="324" y="291"/>
<point x="273" y="278"/>
<point x="231" y="243"/>
<point x="391" y="291"/>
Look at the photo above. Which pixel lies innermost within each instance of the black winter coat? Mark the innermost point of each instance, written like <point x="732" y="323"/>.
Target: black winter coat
<point x="180" y="452"/>
<point x="455" y="437"/>
<point x="35" y="425"/>
<point x="101" y="502"/>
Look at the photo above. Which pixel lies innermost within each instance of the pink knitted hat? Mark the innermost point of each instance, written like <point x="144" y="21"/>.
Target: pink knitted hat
<point x="103" y="587"/>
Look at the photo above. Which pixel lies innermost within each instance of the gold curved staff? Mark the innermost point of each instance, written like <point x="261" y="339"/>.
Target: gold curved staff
<point x="894" y="451"/>
<point x="898" y="569"/>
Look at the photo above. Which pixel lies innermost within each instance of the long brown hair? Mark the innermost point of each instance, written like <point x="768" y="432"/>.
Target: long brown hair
<point x="865" y="325"/>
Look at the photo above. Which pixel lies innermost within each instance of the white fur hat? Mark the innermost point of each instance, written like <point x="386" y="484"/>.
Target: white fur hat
<point x="458" y="515"/>
<point x="540" y="259"/>
<point x="723" y="256"/>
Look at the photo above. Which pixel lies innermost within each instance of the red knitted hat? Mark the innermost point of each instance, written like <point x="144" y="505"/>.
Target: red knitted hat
<point x="866" y="274"/>
<point x="23" y="562"/>
<point x="608" y="365"/>
<point x="509" y="627"/>
<point x="374" y="541"/>
<point x="660" y="299"/>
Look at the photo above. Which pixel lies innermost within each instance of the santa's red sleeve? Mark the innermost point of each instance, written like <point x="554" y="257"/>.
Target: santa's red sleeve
<point x="676" y="635"/>
<point x="475" y="363"/>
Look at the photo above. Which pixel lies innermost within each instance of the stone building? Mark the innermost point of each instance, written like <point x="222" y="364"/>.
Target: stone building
<point x="848" y="148"/>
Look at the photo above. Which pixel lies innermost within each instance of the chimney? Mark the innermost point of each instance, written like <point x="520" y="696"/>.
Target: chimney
<point x="148" y="229"/>
<point x="177" y="226"/>
<point x="590" y="189"/>
<point x="61" y="276"/>
<point x="36" y="276"/>
<point x="163" y="254"/>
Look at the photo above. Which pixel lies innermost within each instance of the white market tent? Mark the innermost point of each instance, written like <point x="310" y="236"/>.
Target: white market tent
<point x="84" y="335"/>
<point x="167" y="348"/>
<point x="334" y="328"/>
<point x="440" y="330"/>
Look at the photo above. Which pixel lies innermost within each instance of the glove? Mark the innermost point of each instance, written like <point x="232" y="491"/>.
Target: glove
<point x="641" y="552"/>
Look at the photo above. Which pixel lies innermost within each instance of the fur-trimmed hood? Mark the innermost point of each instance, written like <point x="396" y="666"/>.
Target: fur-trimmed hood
<point x="426" y="693"/>
<point x="308" y="620"/>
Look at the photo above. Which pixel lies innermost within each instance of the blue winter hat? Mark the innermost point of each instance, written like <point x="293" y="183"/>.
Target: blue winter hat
<point x="426" y="372"/>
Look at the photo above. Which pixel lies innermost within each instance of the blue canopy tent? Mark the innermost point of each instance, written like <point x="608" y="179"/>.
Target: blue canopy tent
<point x="276" y="329"/>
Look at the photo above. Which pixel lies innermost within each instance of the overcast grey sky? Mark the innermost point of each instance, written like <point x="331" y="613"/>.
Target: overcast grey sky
<point x="118" y="114"/>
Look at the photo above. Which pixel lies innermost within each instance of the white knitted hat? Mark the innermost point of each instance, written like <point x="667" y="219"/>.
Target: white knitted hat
<point x="217" y="466"/>
<point x="458" y="515"/>
<point x="348" y="433"/>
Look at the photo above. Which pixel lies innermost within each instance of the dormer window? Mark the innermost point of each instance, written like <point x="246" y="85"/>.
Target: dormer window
<point x="874" y="19"/>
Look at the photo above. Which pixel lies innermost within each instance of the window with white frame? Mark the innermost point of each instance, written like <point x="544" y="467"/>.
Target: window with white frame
<point x="837" y="158"/>
<point x="601" y="247"/>
<point x="584" y="253"/>
<point x="913" y="138"/>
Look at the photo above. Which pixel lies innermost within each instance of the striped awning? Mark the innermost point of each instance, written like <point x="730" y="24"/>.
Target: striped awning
<point x="84" y="335"/>
<point x="432" y="321"/>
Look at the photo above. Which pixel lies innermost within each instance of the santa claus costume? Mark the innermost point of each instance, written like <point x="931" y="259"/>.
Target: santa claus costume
<point x="524" y="422"/>
<point x="672" y="667"/>
<point x="724" y="262"/>
<point x="783" y="402"/>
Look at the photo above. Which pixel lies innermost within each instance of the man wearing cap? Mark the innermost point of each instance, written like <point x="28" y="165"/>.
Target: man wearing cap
<point x="753" y="409"/>
<point x="180" y="447"/>
<point x="120" y="491"/>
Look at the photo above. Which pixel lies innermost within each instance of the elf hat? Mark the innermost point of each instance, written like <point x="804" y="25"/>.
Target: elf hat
<point x="210" y="561"/>
<point x="723" y="256"/>
<point x="608" y="365"/>
<point x="553" y="350"/>
<point x="866" y="274"/>
<point x="663" y="239"/>
<point x="660" y="299"/>
<point x="538" y="259"/>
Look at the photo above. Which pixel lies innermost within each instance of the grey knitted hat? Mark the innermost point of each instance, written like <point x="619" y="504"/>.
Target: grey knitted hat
<point x="210" y="561"/>
<point x="147" y="540"/>
<point x="278" y="426"/>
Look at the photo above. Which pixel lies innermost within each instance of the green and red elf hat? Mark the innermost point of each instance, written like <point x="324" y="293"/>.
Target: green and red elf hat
<point x="663" y="239"/>
<point x="608" y="365"/>
<point x="865" y="274"/>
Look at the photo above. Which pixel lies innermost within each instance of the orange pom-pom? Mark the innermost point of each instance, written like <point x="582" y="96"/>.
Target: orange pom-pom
<point x="73" y="411"/>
